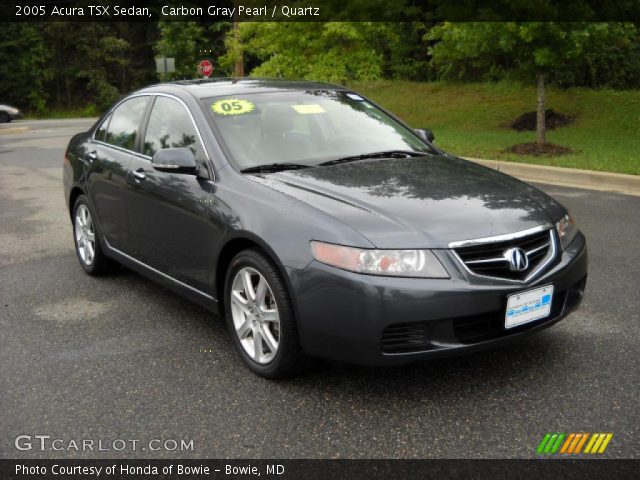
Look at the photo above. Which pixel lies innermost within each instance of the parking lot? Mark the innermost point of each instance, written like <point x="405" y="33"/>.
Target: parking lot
<point x="118" y="357"/>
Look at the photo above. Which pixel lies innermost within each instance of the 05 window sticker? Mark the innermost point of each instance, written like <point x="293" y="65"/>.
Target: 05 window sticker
<point x="232" y="106"/>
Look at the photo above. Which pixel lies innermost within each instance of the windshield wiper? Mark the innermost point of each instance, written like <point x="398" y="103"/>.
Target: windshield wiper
<point x="384" y="154"/>
<point x="274" y="167"/>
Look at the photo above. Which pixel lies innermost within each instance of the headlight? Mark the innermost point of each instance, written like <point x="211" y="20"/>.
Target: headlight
<point x="396" y="263"/>
<point x="13" y="111"/>
<point x="567" y="230"/>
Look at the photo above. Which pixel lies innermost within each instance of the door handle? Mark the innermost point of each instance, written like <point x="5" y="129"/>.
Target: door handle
<point x="139" y="175"/>
<point x="92" y="156"/>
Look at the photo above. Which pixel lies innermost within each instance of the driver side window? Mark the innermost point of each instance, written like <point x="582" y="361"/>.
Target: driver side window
<point x="170" y="126"/>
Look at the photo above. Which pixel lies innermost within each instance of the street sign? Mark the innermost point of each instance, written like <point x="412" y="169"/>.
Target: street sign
<point x="205" y="68"/>
<point x="165" y="65"/>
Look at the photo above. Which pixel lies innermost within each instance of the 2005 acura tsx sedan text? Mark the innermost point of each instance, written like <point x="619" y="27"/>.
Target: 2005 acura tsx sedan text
<point x="318" y="224"/>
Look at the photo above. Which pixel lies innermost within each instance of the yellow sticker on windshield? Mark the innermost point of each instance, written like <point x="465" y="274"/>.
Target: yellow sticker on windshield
<point x="232" y="106"/>
<point x="308" y="108"/>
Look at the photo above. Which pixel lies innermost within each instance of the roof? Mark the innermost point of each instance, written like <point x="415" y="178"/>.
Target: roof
<point x="203" y="88"/>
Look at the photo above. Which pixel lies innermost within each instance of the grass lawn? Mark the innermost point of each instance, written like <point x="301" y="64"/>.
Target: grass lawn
<point x="472" y="120"/>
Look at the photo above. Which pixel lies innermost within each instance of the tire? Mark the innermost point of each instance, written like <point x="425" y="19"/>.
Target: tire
<point x="4" y="117"/>
<point x="255" y="317"/>
<point x="89" y="252"/>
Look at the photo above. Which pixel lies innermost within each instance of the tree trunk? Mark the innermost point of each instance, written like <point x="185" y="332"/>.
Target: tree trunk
<point x="541" y="128"/>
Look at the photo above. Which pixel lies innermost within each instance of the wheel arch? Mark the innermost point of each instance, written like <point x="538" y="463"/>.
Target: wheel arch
<point x="73" y="195"/>
<point x="233" y="246"/>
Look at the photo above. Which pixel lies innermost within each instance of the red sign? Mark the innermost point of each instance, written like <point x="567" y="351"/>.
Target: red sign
<point x="205" y="68"/>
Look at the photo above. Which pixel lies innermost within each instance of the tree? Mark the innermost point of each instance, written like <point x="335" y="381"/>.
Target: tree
<point x="180" y="40"/>
<point x="23" y="66"/>
<point x="331" y="51"/>
<point x="525" y="50"/>
<point x="184" y="41"/>
<point x="55" y="65"/>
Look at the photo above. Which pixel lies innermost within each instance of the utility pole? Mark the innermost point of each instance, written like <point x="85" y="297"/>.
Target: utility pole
<point x="239" y="57"/>
<point x="541" y="126"/>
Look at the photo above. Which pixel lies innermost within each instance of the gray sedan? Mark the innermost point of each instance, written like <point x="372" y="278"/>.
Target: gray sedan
<point x="318" y="224"/>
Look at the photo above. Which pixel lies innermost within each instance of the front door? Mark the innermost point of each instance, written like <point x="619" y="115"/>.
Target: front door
<point x="171" y="212"/>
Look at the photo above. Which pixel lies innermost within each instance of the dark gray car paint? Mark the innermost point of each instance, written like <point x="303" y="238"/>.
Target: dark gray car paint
<point x="418" y="202"/>
<point x="174" y="228"/>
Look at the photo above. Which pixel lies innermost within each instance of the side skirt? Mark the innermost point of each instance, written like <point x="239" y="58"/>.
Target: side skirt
<point x="197" y="296"/>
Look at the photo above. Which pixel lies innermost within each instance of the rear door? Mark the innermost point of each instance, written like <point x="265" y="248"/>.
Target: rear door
<point x="171" y="213"/>
<point x="108" y="161"/>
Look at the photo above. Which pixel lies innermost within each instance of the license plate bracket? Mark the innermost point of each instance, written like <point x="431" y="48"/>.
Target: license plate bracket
<point x="528" y="306"/>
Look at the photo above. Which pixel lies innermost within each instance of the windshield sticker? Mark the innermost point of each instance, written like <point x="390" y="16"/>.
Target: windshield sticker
<point x="232" y="106"/>
<point x="353" y="96"/>
<point x="308" y="108"/>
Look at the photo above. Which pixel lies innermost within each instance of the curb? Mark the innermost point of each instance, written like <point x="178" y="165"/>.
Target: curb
<point x="10" y="130"/>
<point x="567" y="177"/>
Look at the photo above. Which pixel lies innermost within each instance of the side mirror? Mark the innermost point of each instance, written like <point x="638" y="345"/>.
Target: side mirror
<point x="177" y="160"/>
<point x="425" y="134"/>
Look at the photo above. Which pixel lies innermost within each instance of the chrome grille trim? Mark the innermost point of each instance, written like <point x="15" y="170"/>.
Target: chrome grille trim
<point x="544" y="262"/>
<point x="500" y="238"/>
<point x="502" y="259"/>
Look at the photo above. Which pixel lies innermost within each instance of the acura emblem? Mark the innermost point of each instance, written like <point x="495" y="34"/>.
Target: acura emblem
<point x="517" y="258"/>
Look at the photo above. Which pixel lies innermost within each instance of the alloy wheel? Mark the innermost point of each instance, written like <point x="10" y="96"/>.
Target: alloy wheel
<point x="85" y="235"/>
<point x="255" y="315"/>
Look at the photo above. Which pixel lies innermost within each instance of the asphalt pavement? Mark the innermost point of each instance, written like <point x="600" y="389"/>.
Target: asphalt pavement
<point x="119" y="358"/>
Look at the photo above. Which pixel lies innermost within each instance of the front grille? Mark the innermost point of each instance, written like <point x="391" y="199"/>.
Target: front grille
<point x="488" y="259"/>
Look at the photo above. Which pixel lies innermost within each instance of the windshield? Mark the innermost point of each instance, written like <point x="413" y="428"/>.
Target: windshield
<point x="305" y="127"/>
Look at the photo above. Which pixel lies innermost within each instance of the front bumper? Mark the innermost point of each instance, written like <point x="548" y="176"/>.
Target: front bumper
<point x="372" y="320"/>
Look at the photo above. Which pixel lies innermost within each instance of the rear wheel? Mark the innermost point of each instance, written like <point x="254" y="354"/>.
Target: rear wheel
<point x="260" y="317"/>
<point x="87" y="240"/>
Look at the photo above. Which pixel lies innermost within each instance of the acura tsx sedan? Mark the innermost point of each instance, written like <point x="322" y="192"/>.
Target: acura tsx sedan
<point x="318" y="224"/>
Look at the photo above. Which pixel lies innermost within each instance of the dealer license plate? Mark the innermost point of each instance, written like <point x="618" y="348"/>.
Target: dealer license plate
<point x="525" y="307"/>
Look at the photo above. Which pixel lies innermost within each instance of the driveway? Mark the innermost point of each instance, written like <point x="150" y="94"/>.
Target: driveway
<point x="118" y="357"/>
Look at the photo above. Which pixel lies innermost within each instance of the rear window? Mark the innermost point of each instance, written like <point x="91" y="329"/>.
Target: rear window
<point x="125" y="122"/>
<point x="101" y="133"/>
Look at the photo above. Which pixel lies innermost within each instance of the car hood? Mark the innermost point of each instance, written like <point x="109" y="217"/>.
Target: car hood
<point x="423" y="202"/>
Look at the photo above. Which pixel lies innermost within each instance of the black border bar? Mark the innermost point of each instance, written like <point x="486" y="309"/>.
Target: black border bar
<point x="324" y="10"/>
<point x="542" y="469"/>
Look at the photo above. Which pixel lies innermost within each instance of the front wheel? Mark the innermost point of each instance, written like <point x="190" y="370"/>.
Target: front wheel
<point x="260" y="317"/>
<point x="4" y="117"/>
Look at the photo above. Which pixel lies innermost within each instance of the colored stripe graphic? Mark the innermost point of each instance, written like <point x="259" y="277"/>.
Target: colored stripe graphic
<point x="582" y="440"/>
<point x="573" y="443"/>
<point x="543" y="443"/>
<point x="567" y="442"/>
<point x="605" y="442"/>
<point x="555" y="447"/>
<point x="591" y="442"/>
<point x="550" y="443"/>
<point x="598" y="442"/>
